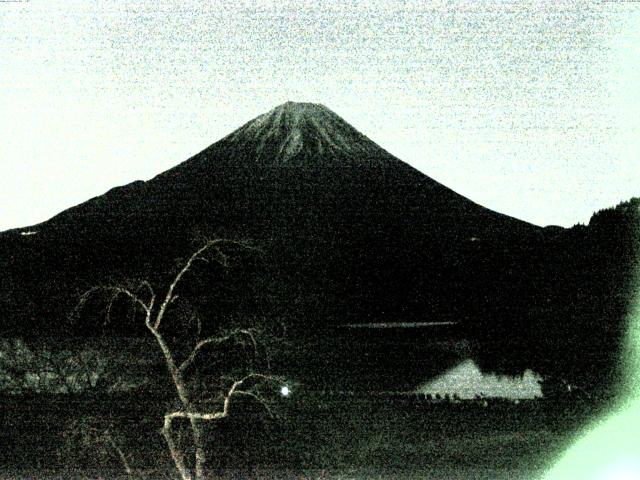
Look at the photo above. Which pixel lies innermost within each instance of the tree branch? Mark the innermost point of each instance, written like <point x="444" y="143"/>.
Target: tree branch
<point x="176" y="453"/>
<point x="121" y="455"/>
<point x="234" y="390"/>
<point x="258" y="398"/>
<point x="115" y="291"/>
<point x="176" y="280"/>
<point x="217" y="341"/>
<point x="145" y="283"/>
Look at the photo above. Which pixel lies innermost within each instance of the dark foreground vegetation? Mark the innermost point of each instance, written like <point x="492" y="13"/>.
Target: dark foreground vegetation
<point x="112" y="427"/>
<point x="84" y="436"/>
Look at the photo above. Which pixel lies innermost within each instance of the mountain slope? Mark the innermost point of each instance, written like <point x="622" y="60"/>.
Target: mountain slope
<point x="339" y="218"/>
<point x="347" y="232"/>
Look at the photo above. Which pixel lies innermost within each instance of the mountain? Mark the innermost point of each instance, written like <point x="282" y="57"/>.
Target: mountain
<point x="302" y="130"/>
<point x="347" y="233"/>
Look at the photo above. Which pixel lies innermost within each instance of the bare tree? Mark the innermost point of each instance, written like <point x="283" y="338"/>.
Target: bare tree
<point x="155" y="310"/>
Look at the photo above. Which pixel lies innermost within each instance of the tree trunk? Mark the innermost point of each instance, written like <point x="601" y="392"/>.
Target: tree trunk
<point x="196" y="429"/>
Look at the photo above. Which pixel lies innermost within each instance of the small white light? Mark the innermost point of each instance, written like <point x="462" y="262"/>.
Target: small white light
<point x="284" y="391"/>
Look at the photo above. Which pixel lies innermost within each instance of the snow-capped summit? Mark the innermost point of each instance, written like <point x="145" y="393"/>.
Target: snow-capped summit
<point x="296" y="129"/>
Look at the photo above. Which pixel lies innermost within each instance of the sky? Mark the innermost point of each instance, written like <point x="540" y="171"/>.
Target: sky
<point x="529" y="108"/>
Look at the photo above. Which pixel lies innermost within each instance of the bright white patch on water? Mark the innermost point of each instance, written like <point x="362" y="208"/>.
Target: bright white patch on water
<point x="28" y="232"/>
<point x="467" y="381"/>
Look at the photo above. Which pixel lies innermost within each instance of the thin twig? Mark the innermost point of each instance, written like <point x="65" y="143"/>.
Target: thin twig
<point x="123" y="458"/>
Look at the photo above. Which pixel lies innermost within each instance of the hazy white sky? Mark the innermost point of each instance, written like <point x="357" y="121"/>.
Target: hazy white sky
<point x="529" y="108"/>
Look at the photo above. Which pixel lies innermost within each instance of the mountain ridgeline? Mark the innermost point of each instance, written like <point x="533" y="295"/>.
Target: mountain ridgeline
<point x="345" y="233"/>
